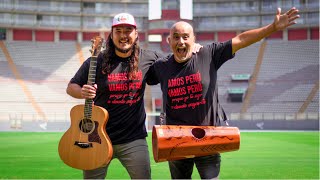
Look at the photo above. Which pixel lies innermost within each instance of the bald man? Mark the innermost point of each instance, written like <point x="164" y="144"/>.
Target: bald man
<point x="188" y="82"/>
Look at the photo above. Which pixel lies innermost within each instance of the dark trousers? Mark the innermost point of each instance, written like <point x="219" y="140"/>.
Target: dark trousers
<point x="208" y="167"/>
<point x="134" y="156"/>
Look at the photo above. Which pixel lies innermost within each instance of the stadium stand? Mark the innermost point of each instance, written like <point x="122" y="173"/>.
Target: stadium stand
<point x="288" y="73"/>
<point x="39" y="74"/>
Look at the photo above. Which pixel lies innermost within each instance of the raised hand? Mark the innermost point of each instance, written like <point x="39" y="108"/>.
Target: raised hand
<point x="282" y="21"/>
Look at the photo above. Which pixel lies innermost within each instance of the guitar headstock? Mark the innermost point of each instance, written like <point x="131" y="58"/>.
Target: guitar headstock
<point x="96" y="45"/>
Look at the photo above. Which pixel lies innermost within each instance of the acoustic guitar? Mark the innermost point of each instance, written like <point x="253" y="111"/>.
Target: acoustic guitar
<point x="86" y="145"/>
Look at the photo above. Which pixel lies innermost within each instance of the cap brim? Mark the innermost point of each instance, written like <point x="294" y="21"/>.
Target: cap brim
<point x="124" y="24"/>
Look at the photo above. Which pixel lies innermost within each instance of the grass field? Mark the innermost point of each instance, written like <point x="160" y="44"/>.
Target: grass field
<point x="262" y="155"/>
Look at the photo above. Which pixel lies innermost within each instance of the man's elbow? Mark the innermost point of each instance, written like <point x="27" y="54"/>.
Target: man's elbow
<point x="68" y="89"/>
<point x="236" y="44"/>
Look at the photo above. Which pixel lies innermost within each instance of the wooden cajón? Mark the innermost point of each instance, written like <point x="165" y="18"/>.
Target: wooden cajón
<point x="171" y="142"/>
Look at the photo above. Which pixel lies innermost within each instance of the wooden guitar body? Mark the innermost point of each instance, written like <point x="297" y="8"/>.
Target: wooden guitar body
<point x="85" y="145"/>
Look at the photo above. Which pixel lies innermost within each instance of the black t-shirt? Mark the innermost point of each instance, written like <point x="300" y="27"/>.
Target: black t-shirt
<point x="122" y="98"/>
<point x="189" y="88"/>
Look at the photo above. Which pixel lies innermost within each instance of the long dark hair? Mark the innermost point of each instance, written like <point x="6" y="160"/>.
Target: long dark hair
<point x="109" y="55"/>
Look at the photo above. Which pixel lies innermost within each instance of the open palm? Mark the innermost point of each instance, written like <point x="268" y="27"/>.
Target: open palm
<point x="282" y="21"/>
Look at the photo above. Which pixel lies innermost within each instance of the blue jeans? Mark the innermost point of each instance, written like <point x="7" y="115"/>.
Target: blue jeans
<point x="208" y="167"/>
<point x="134" y="156"/>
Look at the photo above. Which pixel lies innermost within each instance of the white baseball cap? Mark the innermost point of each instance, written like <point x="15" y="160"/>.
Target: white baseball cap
<point x="123" y="18"/>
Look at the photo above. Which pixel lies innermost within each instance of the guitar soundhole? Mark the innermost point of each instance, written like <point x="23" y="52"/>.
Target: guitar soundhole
<point x="86" y="125"/>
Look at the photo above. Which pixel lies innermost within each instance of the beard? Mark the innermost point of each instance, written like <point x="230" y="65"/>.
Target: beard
<point x="123" y="50"/>
<point x="127" y="49"/>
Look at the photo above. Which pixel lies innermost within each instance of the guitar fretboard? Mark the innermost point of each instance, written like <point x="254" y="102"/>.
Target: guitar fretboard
<point x="92" y="70"/>
<point x="91" y="80"/>
<point x="96" y="48"/>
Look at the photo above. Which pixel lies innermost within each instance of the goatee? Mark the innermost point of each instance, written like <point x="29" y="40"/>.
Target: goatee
<point x="123" y="50"/>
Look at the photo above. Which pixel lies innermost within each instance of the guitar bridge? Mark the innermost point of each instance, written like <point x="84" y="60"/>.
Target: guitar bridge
<point x="83" y="144"/>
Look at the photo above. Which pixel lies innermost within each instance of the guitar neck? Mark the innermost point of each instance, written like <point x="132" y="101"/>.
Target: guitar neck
<point x="96" y="48"/>
<point x="88" y="108"/>
<point x="92" y="70"/>
<point x="91" y="81"/>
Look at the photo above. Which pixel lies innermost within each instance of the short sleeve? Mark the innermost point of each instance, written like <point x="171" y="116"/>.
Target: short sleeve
<point x="81" y="76"/>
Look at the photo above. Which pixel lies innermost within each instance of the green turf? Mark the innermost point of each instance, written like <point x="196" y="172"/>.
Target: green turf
<point x="262" y="155"/>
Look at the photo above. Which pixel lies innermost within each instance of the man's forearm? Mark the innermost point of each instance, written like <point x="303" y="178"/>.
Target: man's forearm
<point x="74" y="90"/>
<point x="281" y="21"/>
<point x="251" y="36"/>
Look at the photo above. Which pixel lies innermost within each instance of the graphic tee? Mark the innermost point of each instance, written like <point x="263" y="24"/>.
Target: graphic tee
<point x="189" y="88"/>
<point x="121" y="97"/>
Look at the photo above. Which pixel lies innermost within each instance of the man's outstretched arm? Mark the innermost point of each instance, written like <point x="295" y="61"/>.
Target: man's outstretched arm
<point x="281" y="21"/>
